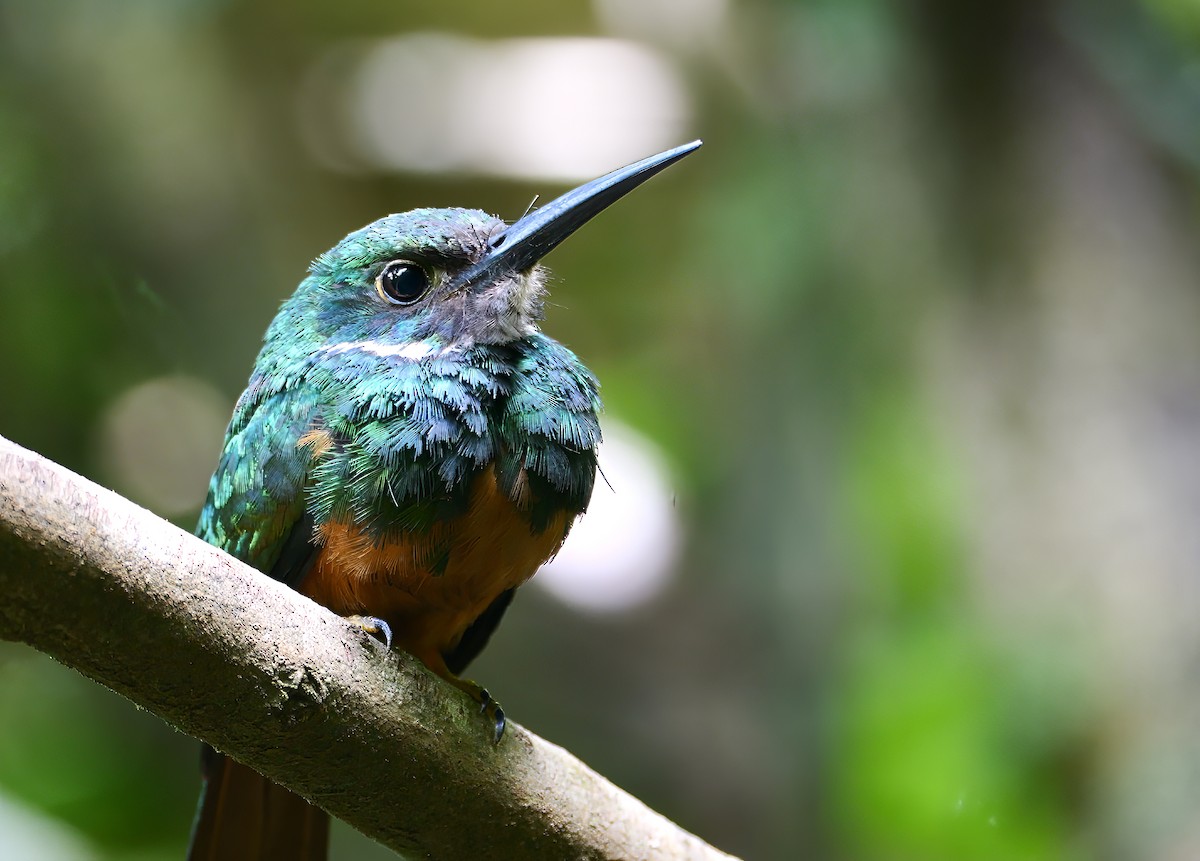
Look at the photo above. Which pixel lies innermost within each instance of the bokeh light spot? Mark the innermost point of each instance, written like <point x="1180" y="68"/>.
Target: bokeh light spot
<point x="34" y="836"/>
<point x="623" y="551"/>
<point x="159" y="442"/>
<point x="551" y="108"/>
<point x="679" y="23"/>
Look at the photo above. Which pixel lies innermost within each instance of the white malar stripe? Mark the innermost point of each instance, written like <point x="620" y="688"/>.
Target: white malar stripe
<point x="411" y="350"/>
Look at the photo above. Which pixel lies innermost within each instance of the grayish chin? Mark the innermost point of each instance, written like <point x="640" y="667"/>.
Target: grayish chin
<point x="520" y="307"/>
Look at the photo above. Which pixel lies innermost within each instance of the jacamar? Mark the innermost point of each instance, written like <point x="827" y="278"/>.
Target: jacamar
<point x="409" y="450"/>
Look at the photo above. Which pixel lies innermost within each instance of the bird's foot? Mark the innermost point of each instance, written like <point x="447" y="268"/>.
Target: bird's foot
<point x="374" y="626"/>
<point x="487" y="705"/>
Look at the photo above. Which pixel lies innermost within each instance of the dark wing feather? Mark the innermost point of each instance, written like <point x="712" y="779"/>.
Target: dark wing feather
<point x="256" y="508"/>
<point x="297" y="554"/>
<point x="476" y="637"/>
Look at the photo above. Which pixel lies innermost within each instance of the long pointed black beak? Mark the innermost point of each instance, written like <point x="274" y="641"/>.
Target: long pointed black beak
<point x="526" y="241"/>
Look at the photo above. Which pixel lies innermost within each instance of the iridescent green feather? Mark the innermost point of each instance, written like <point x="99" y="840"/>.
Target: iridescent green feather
<point x="414" y="405"/>
<point x="549" y="428"/>
<point x="256" y="494"/>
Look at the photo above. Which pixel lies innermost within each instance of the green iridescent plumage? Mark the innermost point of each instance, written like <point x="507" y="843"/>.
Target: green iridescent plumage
<point x="417" y="401"/>
<point x="410" y="446"/>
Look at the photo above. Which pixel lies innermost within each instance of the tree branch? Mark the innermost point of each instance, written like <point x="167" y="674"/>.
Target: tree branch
<point x="280" y="683"/>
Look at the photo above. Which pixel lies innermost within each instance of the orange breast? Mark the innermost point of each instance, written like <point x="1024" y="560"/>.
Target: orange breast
<point x="431" y="587"/>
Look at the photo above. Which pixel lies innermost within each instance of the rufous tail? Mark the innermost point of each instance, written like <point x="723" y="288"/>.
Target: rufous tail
<point x="243" y="816"/>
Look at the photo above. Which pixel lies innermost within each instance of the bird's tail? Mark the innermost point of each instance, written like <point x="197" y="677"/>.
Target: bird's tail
<point x="243" y="816"/>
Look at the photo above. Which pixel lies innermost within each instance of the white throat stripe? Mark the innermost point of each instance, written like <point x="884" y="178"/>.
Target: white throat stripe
<point x="411" y="350"/>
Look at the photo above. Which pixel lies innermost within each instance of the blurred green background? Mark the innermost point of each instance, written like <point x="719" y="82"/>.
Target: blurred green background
<point x="908" y="354"/>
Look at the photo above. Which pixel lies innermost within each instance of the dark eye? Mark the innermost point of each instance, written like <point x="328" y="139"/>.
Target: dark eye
<point x="402" y="282"/>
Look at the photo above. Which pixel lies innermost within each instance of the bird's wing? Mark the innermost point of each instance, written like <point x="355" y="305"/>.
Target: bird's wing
<point x="477" y="635"/>
<point x="255" y="508"/>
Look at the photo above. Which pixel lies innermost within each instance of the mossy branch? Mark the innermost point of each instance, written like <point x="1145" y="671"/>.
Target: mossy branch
<point x="280" y="683"/>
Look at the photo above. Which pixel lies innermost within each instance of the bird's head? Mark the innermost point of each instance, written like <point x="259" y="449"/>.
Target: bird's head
<point x="402" y="281"/>
<point x="432" y="280"/>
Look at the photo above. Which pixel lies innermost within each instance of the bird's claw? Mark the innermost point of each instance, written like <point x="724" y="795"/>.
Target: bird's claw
<point x="492" y="709"/>
<point x="487" y="706"/>
<point x="373" y="626"/>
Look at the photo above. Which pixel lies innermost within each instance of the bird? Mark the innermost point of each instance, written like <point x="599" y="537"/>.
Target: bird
<point x="409" y="450"/>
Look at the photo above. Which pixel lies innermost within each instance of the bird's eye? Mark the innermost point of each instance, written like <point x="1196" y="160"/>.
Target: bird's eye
<point x="402" y="282"/>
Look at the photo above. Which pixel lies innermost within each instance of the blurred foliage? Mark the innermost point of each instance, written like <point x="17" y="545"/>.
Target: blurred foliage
<point x="916" y="329"/>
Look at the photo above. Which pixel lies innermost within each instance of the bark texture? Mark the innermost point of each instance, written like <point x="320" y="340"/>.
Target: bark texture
<point x="262" y="673"/>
